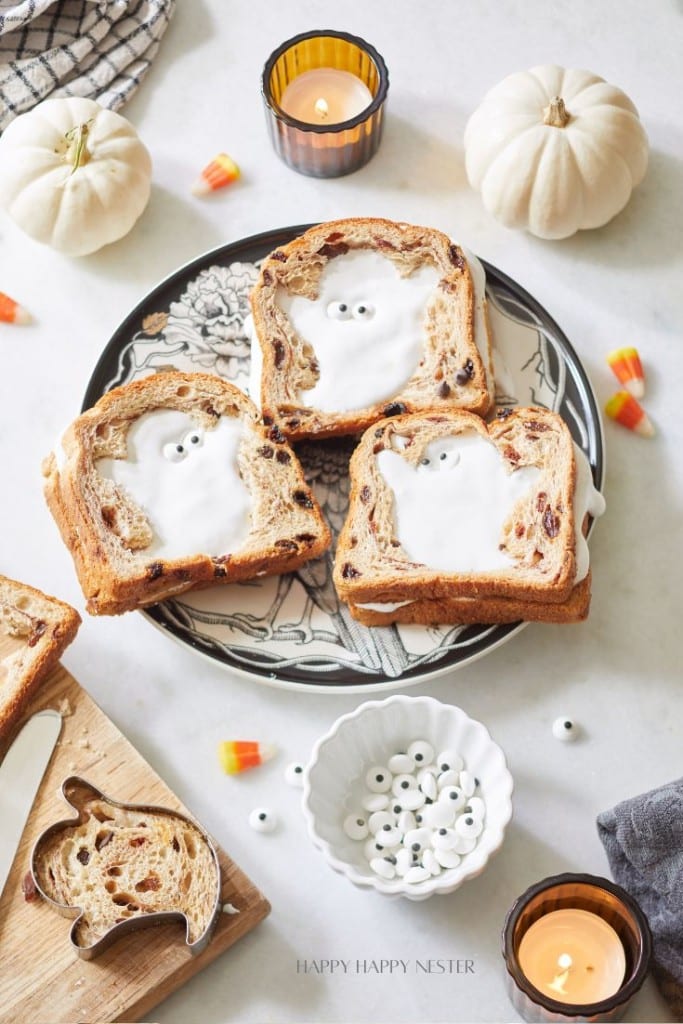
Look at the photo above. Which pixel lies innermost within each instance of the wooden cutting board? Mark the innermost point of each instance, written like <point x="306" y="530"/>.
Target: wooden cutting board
<point x="41" y="978"/>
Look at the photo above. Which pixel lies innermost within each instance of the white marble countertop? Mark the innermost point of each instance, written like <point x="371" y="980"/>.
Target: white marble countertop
<point x="618" y="675"/>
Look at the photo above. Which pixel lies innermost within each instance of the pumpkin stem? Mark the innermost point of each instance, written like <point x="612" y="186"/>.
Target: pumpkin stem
<point x="556" y="114"/>
<point x="78" y="136"/>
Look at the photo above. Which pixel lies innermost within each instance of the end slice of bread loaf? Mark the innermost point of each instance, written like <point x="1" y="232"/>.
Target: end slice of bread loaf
<point x="451" y="368"/>
<point x="121" y="863"/>
<point x="35" y="629"/>
<point x="133" y="519"/>
<point x="493" y="506"/>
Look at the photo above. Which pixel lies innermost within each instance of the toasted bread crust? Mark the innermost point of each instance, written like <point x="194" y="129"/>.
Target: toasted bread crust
<point x="470" y="611"/>
<point x="107" y="533"/>
<point x="372" y="567"/>
<point x="289" y="364"/>
<point x="46" y="626"/>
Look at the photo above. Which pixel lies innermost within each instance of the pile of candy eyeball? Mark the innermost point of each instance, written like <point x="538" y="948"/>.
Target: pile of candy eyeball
<point x="419" y="815"/>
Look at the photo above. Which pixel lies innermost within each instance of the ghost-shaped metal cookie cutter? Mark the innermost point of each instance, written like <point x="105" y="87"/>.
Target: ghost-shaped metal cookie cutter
<point x="80" y="794"/>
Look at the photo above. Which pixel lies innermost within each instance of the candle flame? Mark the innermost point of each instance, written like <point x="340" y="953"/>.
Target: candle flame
<point x="321" y="108"/>
<point x="564" y="962"/>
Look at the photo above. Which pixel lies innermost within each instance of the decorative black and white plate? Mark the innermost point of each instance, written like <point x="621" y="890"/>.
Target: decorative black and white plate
<point x="291" y="630"/>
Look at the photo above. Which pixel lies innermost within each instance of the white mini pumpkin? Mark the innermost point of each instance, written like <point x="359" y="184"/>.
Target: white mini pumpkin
<point x="73" y="175"/>
<point x="553" y="150"/>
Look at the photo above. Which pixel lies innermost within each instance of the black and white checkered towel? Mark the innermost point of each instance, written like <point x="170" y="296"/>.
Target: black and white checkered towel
<point x="96" y="48"/>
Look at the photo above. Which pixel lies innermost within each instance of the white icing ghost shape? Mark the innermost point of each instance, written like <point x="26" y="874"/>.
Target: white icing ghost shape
<point x="365" y="327"/>
<point x="449" y="511"/>
<point x="187" y="482"/>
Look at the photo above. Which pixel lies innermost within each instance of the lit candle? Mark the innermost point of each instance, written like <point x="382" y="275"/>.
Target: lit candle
<point x="573" y="956"/>
<point x="325" y="96"/>
<point x="576" y="947"/>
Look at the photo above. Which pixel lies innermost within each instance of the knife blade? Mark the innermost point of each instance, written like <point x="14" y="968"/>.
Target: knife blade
<point x="21" y="773"/>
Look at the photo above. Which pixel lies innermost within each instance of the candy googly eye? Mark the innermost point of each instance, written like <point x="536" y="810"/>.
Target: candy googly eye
<point x="439" y="815"/>
<point x="294" y="774"/>
<point x="430" y="769"/>
<point x="421" y="752"/>
<point x="372" y="849"/>
<point x="564" y="730"/>
<point x="375" y="802"/>
<point x="400" y="764"/>
<point x="450" y="760"/>
<point x="464" y="844"/>
<point x="263" y="820"/>
<point x="383" y="868"/>
<point x="389" y="837"/>
<point x="447" y="858"/>
<point x="468" y="826"/>
<point x="468" y="783"/>
<point x="476" y="807"/>
<point x="174" y="452"/>
<point x="429" y="787"/>
<point x="454" y="796"/>
<point x="355" y="827"/>
<point x="430" y="862"/>
<point x="416" y="874"/>
<point x="195" y="439"/>
<point x="338" y="311"/>
<point x="363" y="311"/>
<point x="404" y="861"/>
<point x="413" y="799"/>
<point x="402" y="783"/>
<point x="444" y="839"/>
<point x="378" y="779"/>
<point x="417" y="840"/>
<point x="406" y="821"/>
<point x="449" y="778"/>
<point x="378" y="820"/>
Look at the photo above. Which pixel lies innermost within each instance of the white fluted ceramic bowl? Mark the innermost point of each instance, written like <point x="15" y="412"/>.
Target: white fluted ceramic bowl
<point x="334" y="784"/>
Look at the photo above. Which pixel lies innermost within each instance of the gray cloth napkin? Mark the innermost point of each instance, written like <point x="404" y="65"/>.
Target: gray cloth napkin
<point x="643" y="838"/>
<point x="101" y="49"/>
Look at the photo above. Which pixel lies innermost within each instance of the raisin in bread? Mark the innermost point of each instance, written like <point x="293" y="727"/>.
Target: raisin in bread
<point x="118" y="862"/>
<point x="172" y="482"/>
<point x="364" y="318"/>
<point x="34" y="631"/>
<point x="453" y="520"/>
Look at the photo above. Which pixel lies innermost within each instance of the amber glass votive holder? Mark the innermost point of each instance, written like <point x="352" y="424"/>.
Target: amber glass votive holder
<point x="578" y="892"/>
<point x="325" y="150"/>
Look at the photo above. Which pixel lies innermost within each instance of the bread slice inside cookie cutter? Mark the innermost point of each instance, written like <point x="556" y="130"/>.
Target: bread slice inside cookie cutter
<point x="119" y="867"/>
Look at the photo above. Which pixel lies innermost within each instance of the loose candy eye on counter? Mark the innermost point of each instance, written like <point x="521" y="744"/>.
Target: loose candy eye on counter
<point x="262" y="819"/>
<point x="565" y="730"/>
<point x="294" y="774"/>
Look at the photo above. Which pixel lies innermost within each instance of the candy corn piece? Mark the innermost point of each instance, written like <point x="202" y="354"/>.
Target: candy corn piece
<point x="220" y="172"/>
<point x="624" y="408"/>
<point x="238" y="755"/>
<point x="11" y="312"/>
<point x="627" y="368"/>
